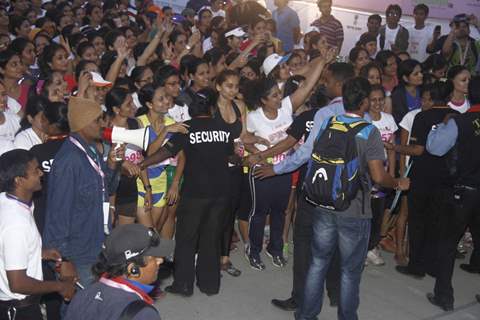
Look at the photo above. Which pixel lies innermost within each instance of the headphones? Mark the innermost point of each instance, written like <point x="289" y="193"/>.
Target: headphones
<point x="135" y="271"/>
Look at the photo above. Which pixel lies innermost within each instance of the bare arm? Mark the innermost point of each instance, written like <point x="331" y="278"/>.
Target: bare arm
<point x="157" y="157"/>
<point x="282" y="146"/>
<point x="303" y="91"/>
<point x="403" y="159"/>
<point x="447" y="48"/>
<point x="122" y="54"/>
<point x="20" y="282"/>
<point x="381" y="177"/>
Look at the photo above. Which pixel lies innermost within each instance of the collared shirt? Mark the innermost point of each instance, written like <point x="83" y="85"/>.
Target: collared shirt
<point x="287" y="20"/>
<point x="20" y="244"/>
<point x="74" y="210"/>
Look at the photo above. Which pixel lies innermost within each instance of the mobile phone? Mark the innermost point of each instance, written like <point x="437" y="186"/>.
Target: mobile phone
<point x="438" y="29"/>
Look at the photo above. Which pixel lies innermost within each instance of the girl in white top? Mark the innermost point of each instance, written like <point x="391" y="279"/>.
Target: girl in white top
<point x="459" y="77"/>
<point x="9" y="123"/>
<point x="33" y="125"/>
<point x="385" y="123"/>
<point x="270" y="121"/>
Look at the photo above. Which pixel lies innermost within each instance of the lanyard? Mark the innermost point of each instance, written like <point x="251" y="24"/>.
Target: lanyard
<point x="463" y="55"/>
<point x="92" y="162"/>
<point x="121" y="284"/>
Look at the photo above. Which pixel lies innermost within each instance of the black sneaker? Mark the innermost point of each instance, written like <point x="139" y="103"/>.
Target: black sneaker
<point x="277" y="261"/>
<point x="256" y="263"/>
<point x="181" y="292"/>
<point x="286" y="305"/>
<point x="434" y="300"/>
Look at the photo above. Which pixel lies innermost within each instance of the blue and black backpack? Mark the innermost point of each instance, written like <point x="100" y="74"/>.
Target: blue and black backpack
<point x="333" y="176"/>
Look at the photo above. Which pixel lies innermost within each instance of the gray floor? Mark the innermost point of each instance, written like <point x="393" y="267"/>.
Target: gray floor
<point x="384" y="295"/>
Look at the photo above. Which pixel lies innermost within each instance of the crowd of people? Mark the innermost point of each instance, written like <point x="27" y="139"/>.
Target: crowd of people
<point x="250" y="123"/>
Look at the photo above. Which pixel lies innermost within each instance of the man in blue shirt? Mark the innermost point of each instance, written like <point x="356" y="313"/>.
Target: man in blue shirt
<point x="288" y="24"/>
<point x="337" y="75"/>
<point x="77" y="210"/>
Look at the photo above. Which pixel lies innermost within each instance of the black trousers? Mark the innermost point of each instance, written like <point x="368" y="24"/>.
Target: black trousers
<point x="454" y="218"/>
<point x="31" y="312"/>
<point x="378" y="208"/>
<point x="302" y="254"/>
<point x="236" y="176"/>
<point x="422" y="211"/>
<point x="199" y="229"/>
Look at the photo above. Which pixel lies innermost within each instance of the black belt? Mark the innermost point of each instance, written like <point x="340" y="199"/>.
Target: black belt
<point x="28" y="301"/>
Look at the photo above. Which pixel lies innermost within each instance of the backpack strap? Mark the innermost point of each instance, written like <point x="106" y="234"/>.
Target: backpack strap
<point x="133" y="308"/>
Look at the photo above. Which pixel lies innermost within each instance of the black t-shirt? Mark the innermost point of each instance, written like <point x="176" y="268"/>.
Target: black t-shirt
<point x="428" y="171"/>
<point x="45" y="153"/>
<point x="207" y="146"/>
<point x="302" y="125"/>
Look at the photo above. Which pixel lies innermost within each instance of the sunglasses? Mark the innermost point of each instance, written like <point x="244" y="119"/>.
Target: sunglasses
<point x="154" y="241"/>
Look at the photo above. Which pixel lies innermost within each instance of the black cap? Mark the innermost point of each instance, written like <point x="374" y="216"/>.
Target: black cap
<point x="459" y="18"/>
<point x="135" y="240"/>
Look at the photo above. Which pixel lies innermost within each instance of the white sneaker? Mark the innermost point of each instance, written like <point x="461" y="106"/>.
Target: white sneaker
<point x="374" y="257"/>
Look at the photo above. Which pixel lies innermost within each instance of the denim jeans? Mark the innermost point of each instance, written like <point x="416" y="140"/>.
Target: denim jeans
<point x="350" y="236"/>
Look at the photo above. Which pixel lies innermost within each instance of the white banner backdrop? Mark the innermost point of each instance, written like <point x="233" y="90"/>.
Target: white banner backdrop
<point x="354" y="21"/>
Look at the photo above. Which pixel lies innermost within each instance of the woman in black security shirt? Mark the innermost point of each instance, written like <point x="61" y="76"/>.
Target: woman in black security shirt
<point x="120" y="107"/>
<point x="232" y="113"/>
<point x="204" y="199"/>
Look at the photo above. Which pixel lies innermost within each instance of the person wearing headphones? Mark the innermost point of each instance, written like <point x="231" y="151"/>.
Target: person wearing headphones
<point x="125" y="268"/>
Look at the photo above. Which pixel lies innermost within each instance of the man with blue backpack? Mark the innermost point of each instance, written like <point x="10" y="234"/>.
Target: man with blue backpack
<point x="347" y="156"/>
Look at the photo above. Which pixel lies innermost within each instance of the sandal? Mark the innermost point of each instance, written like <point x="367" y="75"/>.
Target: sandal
<point x="230" y="269"/>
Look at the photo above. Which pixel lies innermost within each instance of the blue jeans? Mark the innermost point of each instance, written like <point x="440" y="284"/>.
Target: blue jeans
<point x="350" y="236"/>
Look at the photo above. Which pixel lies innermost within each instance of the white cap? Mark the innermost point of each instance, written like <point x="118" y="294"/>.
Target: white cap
<point x="237" y="32"/>
<point x="99" y="81"/>
<point x="272" y="61"/>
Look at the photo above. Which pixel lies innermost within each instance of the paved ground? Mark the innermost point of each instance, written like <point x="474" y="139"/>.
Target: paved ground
<point x="384" y="295"/>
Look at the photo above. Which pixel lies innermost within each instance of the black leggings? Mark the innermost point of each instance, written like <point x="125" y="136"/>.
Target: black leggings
<point x="236" y="177"/>
<point x="378" y="208"/>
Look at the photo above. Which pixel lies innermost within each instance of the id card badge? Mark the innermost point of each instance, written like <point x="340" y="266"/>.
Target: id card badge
<point x="106" y="215"/>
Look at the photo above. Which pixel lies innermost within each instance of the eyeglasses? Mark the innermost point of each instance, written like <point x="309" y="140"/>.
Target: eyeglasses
<point x="393" y="14"/>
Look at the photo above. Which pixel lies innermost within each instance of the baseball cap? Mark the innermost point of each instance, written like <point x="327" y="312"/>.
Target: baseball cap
<point x="237" y="32"/>
<point x="459" y="18"/>
<point x="99" y="81"/>
<point x="135" y="240"/>
<point x="272" y="61"/>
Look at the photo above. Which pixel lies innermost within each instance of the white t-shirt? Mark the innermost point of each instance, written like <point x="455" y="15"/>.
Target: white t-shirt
<point x="13" y="105"/>
<point x="207" y="44"/>
<point x="407" y="124"/>
<point x="271" y="130"/>
<point x="390" y="36"/>
<point x="136" y="101"/>
<point x="460" y="108"/>
<point x="7" y="132"/>
<point x="418" y="41"/>
<point x="387" y="127"/>
<point x="20" y="244"/>
<point x="26" y="139"/>
<point x="179" y="113"/>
